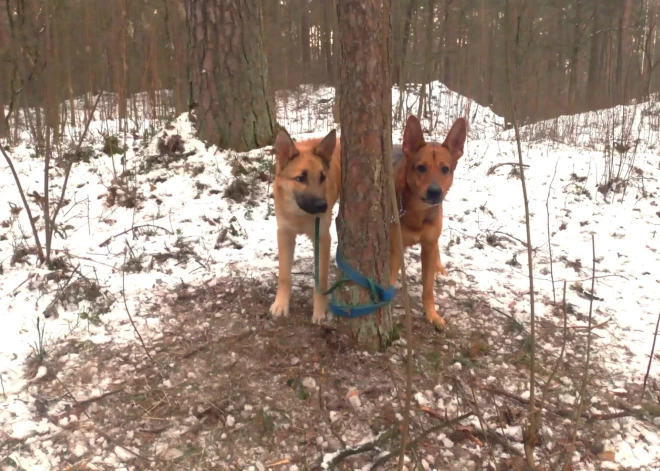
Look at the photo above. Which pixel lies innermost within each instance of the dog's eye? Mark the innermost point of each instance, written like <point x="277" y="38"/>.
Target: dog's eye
<point x="421" y="168"/>
<point x="302" y="178"/>
<point x="445" y="170"/>
<point x="322" y="177"/>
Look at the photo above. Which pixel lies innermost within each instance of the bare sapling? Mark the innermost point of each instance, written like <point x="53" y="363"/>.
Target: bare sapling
<point x="587" y="361"/>
<point x="553" y="373"/>
<point x="21" y="192"/>
<point x="648" y="368"/>
<point x="49" y="218"/>
<point x="48" y="104"/>
<point x="547" y="212"/>
<point x="128" y="312"/>
<point x="67" y="173"/>
<point x="530" y="432"/>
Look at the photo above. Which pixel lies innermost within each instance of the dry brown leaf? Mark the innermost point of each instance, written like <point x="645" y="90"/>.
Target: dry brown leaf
<point x="606" y="456"/>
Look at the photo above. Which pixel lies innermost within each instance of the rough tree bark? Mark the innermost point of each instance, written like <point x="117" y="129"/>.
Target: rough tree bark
<point x="4" y="78"/>
<point x="335" y="61"/>
<point x="229" y="79"/>
<point x="399" y="77"/>
<point x="450" y="43"/>
<point x="326" y="36"/>
<point x="595" y="69"/>
<point x="365" y="205"/>
<point x="428" y="53"/>
<point x="624" y="50"/>
<point x="650" y="63"/>
<point x="304" y="38"/>
<point x="402" y="12"/>
<point x="575" y="54"/>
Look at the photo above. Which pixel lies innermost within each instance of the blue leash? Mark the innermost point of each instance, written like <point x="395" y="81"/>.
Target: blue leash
<point x="380" y="297"/>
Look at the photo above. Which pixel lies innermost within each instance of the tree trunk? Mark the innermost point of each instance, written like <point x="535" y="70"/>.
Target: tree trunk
<point x="624" y="50"/>
<point x="229" y="80"/>
<point x="4" y="79"/>
<point x="402" y="12"/>
<point x="401" y="75"/>
<point x="406" y="37"/>
<point x="4" y="124"/>
<point x="649" y="49"/>
<point x="556" y="77"/>
<point x="327" y="29"/>
<point x="336" y="53"/>
<point x="428" y="51"/>
<point x="595" y="90"/>
<point x="365" y="202"/>
<point x="5" y="89"/>
<point x="490" y="76"/>
<point x="304" y="38"/>
<point x="450" y="44"/>
<point x="575" y="54"/>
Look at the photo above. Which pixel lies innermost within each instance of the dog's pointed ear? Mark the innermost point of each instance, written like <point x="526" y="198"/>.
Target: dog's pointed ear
<point x="455" y="140"/>
<point x="326" y="147"/>
<point x="413" y="136"/>
<point x="285" y="149"/>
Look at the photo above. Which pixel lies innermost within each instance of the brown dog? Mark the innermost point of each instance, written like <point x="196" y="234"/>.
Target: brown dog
<point x="307" y="183"/>
<point x="423" y="177"/>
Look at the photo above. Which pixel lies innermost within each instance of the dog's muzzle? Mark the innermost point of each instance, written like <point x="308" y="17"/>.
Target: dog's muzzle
<point x="312" y="205"/>
<point x="433" y="194"/>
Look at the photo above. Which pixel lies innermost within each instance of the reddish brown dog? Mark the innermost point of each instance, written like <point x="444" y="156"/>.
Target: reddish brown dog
<point x="423" y="179"/>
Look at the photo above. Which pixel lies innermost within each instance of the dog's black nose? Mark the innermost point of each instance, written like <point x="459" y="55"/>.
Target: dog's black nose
<point x="434" y="193"/>
<point x="312" y="205"/>
<point x="321" y="206"/>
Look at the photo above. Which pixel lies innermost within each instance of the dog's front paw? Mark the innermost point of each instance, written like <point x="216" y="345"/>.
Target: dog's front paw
<point x="437" y="321"/>
<point x="440" y="269"/>
<point x="319" y="315"/>
<point x="279" y="308"/>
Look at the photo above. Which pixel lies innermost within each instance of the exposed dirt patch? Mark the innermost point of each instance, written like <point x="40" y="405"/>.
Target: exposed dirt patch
<point x="232" y="389"/>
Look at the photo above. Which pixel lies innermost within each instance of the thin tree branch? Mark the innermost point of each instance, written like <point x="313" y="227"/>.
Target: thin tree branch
<point x="128" y="312"/>
<point x="531" y="433"/>
<point x="17" y="180"/>
<point x="383" y="459"/>
<point x="585" y="374"/>
<point x="60" y="202"/>
<point x="648" y="369"/>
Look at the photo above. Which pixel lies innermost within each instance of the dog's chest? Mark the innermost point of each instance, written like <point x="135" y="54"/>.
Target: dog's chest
<point x="415" y="222"/>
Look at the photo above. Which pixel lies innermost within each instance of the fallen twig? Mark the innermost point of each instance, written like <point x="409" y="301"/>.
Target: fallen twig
<point x="98" y="398"/>
<point x="100" y="432"/>
<point x="433" y="413"/>
<point x="496" y="439"/>
<point x="494" y="167"/>
<point x="381" y="439"/>
<point x="383" y="459"/>
<point x="562" y="412"/>
<point x="278" y="463"/>
<point x="110" y="239"/>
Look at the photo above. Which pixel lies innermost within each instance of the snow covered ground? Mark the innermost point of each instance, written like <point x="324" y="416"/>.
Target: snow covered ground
<point x="196" y="209"/>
